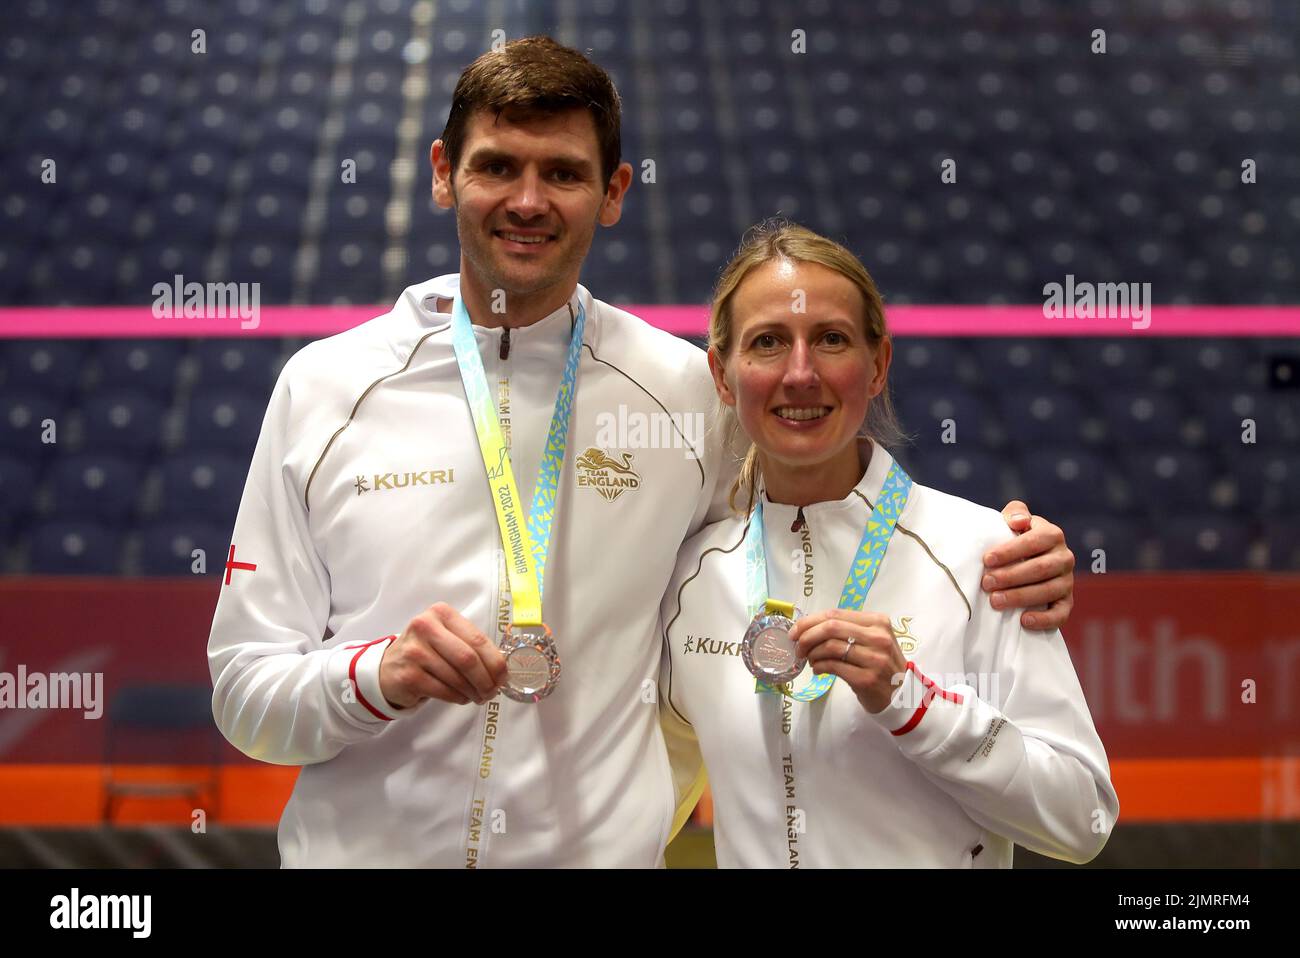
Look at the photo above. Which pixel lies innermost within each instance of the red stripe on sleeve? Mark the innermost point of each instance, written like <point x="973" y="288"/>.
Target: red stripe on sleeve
<point x="912" y="722"/>
<point x="352" y="674"/>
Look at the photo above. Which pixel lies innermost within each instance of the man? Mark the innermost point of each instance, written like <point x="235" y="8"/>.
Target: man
<point x="380" y="580"/>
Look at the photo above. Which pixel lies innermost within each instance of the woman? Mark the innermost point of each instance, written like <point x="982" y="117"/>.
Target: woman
<point x="926" y="729"/>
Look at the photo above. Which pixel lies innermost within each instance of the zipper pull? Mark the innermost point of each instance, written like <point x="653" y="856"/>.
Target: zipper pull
<point x="505" y="344"/>
<point x="798" y="521"/>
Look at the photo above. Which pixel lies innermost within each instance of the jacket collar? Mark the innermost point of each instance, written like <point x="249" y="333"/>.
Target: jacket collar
<point x="852" y="505"/>
<point x="432" y="301"/>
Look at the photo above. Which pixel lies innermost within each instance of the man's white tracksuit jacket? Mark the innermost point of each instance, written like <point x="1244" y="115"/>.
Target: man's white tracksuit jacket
<point x="367" y="502"/>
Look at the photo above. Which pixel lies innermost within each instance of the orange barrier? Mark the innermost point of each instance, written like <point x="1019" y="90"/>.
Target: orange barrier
<point x="1150" y="791"/>
<point x="74" y="795"/>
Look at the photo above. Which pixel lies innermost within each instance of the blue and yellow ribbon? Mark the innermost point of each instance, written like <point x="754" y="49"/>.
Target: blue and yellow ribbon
<point x="862" y="573"/>
<point x="525" y="543"/>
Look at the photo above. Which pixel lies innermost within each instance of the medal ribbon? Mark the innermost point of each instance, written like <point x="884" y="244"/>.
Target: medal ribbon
<point x="525" y="543"/>
<point x="862" y="573"/>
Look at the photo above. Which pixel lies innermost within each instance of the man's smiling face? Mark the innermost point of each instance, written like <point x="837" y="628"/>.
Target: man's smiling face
<point x="528" y="193"/>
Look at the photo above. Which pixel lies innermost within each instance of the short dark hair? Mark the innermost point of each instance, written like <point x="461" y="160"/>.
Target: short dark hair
<point x="531" y="77"/>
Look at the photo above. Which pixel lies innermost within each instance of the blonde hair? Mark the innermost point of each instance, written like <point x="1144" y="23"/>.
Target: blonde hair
<point x="772" y="240"/>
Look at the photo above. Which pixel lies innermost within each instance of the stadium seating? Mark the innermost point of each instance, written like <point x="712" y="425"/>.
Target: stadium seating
<point x="223" y="166"/>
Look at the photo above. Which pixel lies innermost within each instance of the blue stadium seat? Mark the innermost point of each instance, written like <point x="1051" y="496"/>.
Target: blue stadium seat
<point x="969" y="215"/>
<point x="891" y="262"/>
<point x="166" y="547"/>
<point x="371" y="118"/>
<point x="55" y="130"/>
<point x="1275" y="416"/>
<point x="678" y="42"/>
<point x="1138" y="417"/>
<point x="161" y="260"/>
<point x="1268" y="482"/>
<point x="202" y="170"/>
<point x="350" y="270"/>
<point x="267" y="262"/>
<point x="373" y="160"/>
<point x="280" y="169"/>
<point x="268" y="215"/>
<point x="1283" y="544"/>
<point x="99" y="216"/>
<point x="223" y="421"/>
<point x="311" y="45"/>
<point x="1204" y="543"/>
<point x="925" y="360"/>
<point x="1021" y="363"/>
<point x="202" y="487"/>
<point x="15" y="262"/>
<point x="615" y="255"/>
<point x="1117" y="538"/>
<point x="700" y="212"/>
<point x="381" y="42"/>
<point x="230" y="85"/>
<point x="22" y="413"/>
<point x="924" y="414"/>
<point x="1168" y="481"/>
<point x="97" y="486"/>
<point x="1199" y="363"/>
<point x="791" y="203"/>
<point x="248" y="365"/>
<point x="1104" y="364"/>
<point x="185" y="217"/>
<point x="143" y="365"/>
<point x="239" y="44"/>
<point x="286" y="126"/>
<point x="85" y="273"/>
<point x="1064" y="478"/>
<point x="352" y="212"/>
<point x="137" y="128"/>
<point x="71" y="547"/>
<point x="121" y="421"/>
<point x="1050" y="414"/>
<point x="25" y="213"/>
<point x="17" y="487"/>
<point x="698" y="270"/>
<point x="49" y="367"/>
<point x="962" y="471"/>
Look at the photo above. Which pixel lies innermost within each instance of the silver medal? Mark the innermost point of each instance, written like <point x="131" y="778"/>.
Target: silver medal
<point x="532" y="662"/>
<point x="767" y="650"/>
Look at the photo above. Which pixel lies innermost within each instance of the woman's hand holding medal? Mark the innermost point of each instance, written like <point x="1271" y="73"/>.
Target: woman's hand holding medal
<point x="856" y="646"/>
<point x="441" y="655"/>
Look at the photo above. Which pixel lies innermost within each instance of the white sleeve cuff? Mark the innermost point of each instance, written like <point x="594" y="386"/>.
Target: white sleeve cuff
<point x="354" y="675"/>
<point x="921" y="715"/>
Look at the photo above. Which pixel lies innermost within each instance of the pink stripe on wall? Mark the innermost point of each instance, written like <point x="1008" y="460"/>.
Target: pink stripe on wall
<point x="317" y="321"/>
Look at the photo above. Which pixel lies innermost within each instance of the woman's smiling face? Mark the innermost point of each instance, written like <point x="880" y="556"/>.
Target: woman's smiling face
<point x="800" y="371"/>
